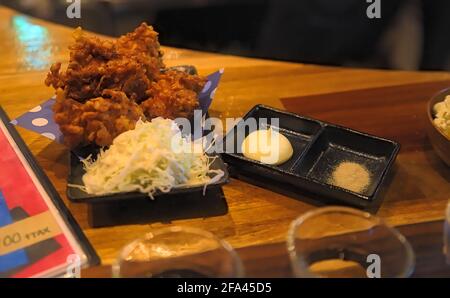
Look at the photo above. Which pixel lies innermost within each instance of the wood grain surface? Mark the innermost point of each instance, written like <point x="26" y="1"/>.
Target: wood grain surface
<point x="418" y="193"/>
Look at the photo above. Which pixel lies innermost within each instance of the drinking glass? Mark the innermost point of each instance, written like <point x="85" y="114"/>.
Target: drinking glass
<point x="345" y="242"/>
<point x="178" y="252"/>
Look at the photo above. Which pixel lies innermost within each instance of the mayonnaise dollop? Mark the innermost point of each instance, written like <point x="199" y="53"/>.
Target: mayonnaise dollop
<point x="267" y="146"/>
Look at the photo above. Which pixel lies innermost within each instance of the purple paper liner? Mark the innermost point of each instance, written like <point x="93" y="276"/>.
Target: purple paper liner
<point x="40" y="119"/>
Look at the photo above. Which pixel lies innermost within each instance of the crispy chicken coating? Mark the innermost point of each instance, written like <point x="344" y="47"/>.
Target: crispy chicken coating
<point x="98" y="120"/>
<point x="174" y="94"/>
<point x="128" y="64"/>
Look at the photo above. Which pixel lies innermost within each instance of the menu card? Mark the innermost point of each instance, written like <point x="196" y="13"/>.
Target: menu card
<point x="38" y="236"/>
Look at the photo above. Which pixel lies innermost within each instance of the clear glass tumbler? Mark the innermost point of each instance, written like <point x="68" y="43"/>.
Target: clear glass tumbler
<point x="178" y="252"/>
<point x="345" y="242"/>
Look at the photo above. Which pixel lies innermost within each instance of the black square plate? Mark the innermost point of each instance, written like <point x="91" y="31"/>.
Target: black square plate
<point x="318" y="148"/>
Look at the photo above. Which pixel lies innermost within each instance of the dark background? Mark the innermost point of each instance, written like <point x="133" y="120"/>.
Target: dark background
<point x="411" y="34"/>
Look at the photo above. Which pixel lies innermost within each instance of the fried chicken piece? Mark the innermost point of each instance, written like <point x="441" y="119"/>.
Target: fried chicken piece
<point x="54" y="77"/>
<point x="109" y="85"/>
<point x="67" y="114"/>
<point x="142" y="40"/>
<point x="174" y="94"/>
<point x="129" y="64"/>
<point x="97" y="121"/>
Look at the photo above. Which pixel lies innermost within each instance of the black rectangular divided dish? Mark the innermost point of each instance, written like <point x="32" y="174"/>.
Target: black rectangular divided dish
<point x="319" y="148"/>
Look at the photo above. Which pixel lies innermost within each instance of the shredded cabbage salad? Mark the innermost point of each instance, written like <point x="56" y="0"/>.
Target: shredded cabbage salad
<point x="152" y="157"/>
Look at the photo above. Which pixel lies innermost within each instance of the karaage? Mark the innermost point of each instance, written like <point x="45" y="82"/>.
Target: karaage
<point x="174" y="94"/>
<point x="109" y="85"/>
<point x="98" y="120"/>
<point x="128" y="64"/>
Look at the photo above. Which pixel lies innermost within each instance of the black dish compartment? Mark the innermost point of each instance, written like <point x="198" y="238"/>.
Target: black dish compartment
<point x="337" y="145"/>
<point x="300" y="131"/>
